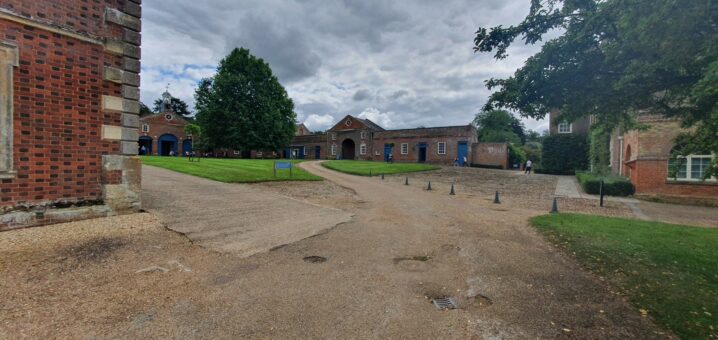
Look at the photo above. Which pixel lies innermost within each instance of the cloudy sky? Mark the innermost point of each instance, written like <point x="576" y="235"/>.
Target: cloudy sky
<point x="402" y="64"/>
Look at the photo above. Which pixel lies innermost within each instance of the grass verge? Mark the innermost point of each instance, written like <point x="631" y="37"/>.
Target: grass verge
<point x="230" y="170"/>
<point x="668" y="272"/>
<point x="362" y="168"/>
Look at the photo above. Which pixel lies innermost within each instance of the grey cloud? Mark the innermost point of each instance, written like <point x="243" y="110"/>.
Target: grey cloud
<point x="410" y="57"/>
<point x="360" y="95"/>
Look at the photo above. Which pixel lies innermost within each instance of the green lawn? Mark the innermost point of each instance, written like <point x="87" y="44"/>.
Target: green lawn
<point x="230" y="170"/>
<point x="362" y="168"/>
<point x="669" y="272"/>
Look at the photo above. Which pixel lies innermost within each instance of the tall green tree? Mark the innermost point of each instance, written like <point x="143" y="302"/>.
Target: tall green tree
<point x="613" y="59"/>
<point x="144" y="110"/>
<point x="244" y="106"/>
<point x="178" y="106"/>
<point x="494" y="126"/>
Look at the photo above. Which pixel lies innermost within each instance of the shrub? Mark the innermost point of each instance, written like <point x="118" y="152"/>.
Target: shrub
<point x="612" y="185"/>
<point x="516" y="155"/>
<point x="564" y="154"/>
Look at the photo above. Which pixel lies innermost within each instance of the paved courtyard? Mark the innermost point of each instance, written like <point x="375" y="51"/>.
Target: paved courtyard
<point x="241" y="219"/>
<point x="129" y="277"/>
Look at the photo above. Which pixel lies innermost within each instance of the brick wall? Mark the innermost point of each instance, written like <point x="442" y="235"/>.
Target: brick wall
<point x="450" y="135"/>
<point x="159" y="125"/>
<point x="651" y="178"/>
<point x="74" y="109"/>
<point x="491" y="154"/>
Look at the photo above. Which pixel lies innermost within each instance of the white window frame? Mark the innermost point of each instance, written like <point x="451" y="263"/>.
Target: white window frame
<point x="334" y="135"/>
<point x="404" y="148"/>
<point x="146" y="128"/>
<point x="363" y="135"/>
<point x="687" y="167"/>
<point x="334" y="149"/>
<point x="9" y="59"/>
<point x="441" y="148"/>
<point x="362" y="149"/>
<point x="561" y="128"/>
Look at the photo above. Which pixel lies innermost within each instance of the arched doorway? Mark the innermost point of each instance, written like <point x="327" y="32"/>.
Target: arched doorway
<point x="167" y="144"/>
<point x="144" y="145"/>
<point x="348" y="149"/>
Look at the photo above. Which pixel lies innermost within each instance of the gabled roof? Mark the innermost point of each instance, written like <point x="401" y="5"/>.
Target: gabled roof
<point x="175" y="117"/>
<point x="365" y="123"/>
<point x="370" y="124"/>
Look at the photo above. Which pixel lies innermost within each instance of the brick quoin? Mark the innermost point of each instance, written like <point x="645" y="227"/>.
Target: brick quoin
<point x="58" y="116"/>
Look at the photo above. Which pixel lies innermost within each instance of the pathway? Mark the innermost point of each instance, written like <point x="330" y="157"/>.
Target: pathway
<point x="233" y="218"/>
<point x="568" y="186"/>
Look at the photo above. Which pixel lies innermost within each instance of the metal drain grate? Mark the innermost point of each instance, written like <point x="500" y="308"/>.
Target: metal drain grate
<point x="445" y="303"/>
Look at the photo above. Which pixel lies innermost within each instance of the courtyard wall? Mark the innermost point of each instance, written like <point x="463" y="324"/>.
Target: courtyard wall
<point x="69" y="117"/>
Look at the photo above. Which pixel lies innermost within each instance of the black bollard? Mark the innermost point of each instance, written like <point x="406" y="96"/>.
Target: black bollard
<point x="382" y="176"/>
<point x="428" y="188"/>
<point x="452" y="190"/>
<point x="496" y="198"/>
<point x="601" y="193"/>
<point x="554" y="207"/>
<point x="407" y="181"/>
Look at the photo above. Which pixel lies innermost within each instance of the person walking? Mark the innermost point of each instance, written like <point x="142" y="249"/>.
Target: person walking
<point x="466" y="162"/>
<point x="456" y="161"/>
<point x="528" y="167"/>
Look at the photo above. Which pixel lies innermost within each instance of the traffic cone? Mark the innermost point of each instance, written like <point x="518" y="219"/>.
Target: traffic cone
<point x="496" y="198"/>
<point x="554" y="206"/>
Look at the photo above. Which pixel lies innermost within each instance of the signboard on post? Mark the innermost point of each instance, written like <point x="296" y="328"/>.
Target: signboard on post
<point x="282" y="165"/>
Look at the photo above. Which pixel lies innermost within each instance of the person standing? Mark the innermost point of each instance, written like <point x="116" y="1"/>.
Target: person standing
<point x="528" y="167"/>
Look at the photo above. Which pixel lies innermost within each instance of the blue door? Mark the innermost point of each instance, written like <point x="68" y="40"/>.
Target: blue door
<point x="187" y="147"/>
<point x="145" y="145"/>
<point x="317" y="152"/>
<point x="299" y="152"/>
<point x="462" y="152"/>
<point x="422" y="152"/>
<point x="167" y="145"/>
<point x="387" y="152"/>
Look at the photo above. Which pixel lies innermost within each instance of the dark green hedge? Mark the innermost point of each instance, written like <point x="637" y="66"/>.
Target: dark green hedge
<point x="612" y="185"/>
<point x="564" y="154"/>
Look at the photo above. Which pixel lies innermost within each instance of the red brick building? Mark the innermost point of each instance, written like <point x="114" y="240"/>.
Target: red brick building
<point x="69" y="90"/>
<point x="162" y="134"/>
<point x="643" y="156"/>
<point x="362" y="139"/>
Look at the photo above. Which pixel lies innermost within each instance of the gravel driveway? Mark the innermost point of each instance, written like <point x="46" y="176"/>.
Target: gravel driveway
<point x="403" y="247"/>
